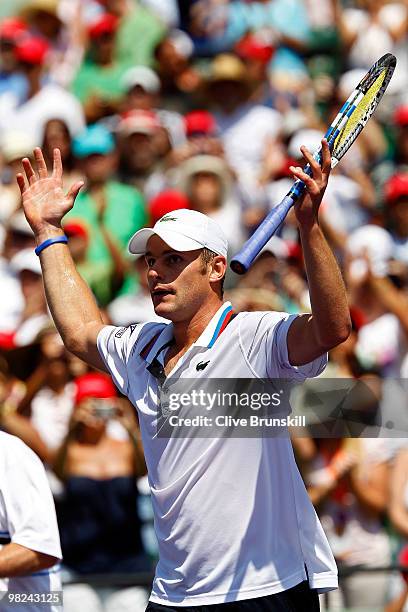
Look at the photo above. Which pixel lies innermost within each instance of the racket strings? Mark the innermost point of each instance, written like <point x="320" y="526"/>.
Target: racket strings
<point x="360" y="116"/>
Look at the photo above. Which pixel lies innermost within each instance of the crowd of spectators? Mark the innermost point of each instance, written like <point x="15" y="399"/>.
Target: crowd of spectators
<point x="167" y="104"/>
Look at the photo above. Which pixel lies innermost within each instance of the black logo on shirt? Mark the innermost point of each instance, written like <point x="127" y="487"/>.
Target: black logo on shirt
<point x="120" y="332"/>
<point x="123" y="330"/>
<point x="132" y="328"/>
<point x="201" y="365"/>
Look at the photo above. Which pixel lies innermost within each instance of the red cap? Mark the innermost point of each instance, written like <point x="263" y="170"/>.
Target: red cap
<point x="403" y="561"/>
<point x="403" y="557"/>
<point x="294" y="251"/>
<point x="7" y="340"/>
<point x="284" y="170"/>
<point x="200" y="122"/>
<point x="94" y="384"/>
<point x="76" y="228"/>
<point x="166" y="202"/>
<point x="253" y="47"/>
<point x="396" y="187"/>
<point x="12" y="29"/>
<point x="401" y="116"/>
<point x="32" y="50"/>
<point x="358" y="318"/>
<point x="105" y="24"/>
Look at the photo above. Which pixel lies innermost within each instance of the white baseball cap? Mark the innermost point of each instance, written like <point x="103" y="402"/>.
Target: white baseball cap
<point x="144" y="77"/>
<point x="376" y="243"/>
<point x="310" y="138"/>
<point x="183" y="230"/>
<point x="26" y="260"/>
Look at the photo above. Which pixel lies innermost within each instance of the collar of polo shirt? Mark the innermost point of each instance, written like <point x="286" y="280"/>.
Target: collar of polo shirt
<point x="206" y="340"/>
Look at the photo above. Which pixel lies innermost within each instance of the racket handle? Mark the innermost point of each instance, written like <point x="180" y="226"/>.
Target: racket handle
<point x="251" y="249"/>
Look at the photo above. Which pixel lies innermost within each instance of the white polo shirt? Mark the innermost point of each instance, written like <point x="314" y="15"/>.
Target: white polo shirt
<point x="27" y="517"/>
<point x="232" y="515"/>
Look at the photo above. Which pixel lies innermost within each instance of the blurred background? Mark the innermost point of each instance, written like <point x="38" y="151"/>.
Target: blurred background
<point x="166" y="104"/>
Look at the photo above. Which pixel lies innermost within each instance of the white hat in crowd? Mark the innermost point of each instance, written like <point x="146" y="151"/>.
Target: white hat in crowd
<point x="144" y="77"/>
<point x="374" y="242"/>
<point x="181" y="42"/>
<point x="212" y="164"/>
<point x="311" y="139"/>
<point x="183" y="230"/>
<point x="26" y="260"/>
<point x="16" y="144"/>
<point x="18" y="223"/>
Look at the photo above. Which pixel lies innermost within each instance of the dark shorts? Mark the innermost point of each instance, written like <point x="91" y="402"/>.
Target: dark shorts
<point x="300" y="598"/>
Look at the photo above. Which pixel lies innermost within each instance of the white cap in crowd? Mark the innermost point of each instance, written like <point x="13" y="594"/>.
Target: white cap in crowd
<point x="18" y="223"/>
<point x="16" y="144"/>
<point x="311" y="139"/>
<point x="144" y="77"/>
<point x="183" y="230"/>
<point x="181" y="42"/>
<point x="375" y="243"/>
<point x="26" y="260"/>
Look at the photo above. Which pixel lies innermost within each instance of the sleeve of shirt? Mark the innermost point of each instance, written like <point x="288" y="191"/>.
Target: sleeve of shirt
<point x="115" y="345"/>
<point x="264" y="341"/>
<point x="27" y="497"/>
<point x="280" y="359"/>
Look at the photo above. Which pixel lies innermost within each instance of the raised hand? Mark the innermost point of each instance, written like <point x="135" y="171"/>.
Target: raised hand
<point x="307" y="207"/>
<point x="44" y="201"/>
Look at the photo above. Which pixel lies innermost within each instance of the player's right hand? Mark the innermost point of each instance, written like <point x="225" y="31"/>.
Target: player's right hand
<point x="44" y="201"/>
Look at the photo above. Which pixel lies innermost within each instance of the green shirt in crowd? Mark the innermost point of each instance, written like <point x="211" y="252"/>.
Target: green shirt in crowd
<point x="102" y="81"/>
<point x="138" y="34"/>
<point x="124" y="214"/>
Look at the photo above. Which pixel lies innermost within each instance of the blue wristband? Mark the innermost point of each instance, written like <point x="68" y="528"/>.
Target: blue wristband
<point x="49" y="242"/>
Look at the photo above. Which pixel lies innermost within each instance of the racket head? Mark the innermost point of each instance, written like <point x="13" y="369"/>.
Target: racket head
<point x="343" y="131"/>
<point x="367" y="95"/>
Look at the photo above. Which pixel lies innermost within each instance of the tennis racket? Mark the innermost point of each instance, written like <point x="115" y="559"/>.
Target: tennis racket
<point x="347" y="125"/>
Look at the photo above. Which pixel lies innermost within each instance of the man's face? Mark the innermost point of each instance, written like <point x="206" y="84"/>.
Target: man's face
<point x="31" y="284"/>
<point x="98" y="168"/>
<point x="138" y="150"/>
<point x="140" y="99"/>
<point x="170" y="60"/>
<point x="102" y="48"/>
<point x="228" y="95"/>
<point x="115" y="7"/>
<point x="47" y="24"/>
<point x="398" y="214"/>
<point x="17" y="241"/>
<point x="8" y="61"/>
<point x="178" y="281"/>
<point x="93" y="426"/>
<point x="56" y="136"/>
<point x="206" y="191"/>
<point x="402" y="142"/>
<point x="78" y="246"/>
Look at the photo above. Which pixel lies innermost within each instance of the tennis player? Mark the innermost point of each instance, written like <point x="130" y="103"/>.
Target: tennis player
<point x="29" y="540"/>
<point x="235" y="527"/>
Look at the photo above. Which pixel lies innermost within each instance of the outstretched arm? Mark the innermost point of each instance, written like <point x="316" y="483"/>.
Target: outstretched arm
<point x="70" y="300"/>
<point x="313" y="335"/>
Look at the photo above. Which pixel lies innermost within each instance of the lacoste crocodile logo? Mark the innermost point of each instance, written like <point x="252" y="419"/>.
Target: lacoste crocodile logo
<point x="201" y="365"/>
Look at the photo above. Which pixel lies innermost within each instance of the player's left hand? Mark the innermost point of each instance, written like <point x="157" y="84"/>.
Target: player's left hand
<point x="307" y="207"/>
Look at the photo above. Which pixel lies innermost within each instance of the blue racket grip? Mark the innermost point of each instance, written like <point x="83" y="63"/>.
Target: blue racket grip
<point x="242" y="260"/>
